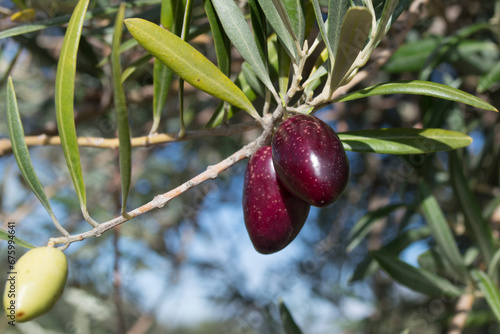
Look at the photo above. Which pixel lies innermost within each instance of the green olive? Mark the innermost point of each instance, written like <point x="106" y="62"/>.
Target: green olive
<point x="35" y="284"/>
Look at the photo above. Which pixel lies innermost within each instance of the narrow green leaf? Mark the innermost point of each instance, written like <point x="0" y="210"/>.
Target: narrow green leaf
<point x="401" y="6"/>
<point x="296" y="14"/>
<point x="441" y="231"/>
<point x="322" y="29"/>
<point x="4" y="235"/>
<point x="475" y="222"/>
<point x="252" y="79"/>
<point x="186" y="23"/>
<point x="287" y="320"/>
<point x="417" y="87"/>
<point x="493" y="265"/>
<point x="259" y="27"/>
<point x="220" y="115"/>
<point x="125" y="145"/>
<point x="368" y="266"/>
<point x="403" y="141"/>
<point x="353" y="34"/>
<point x="383" y="23"/>
<point x="316" y="78"/>
<point x="278" y="18"/>
<point x="489" y="78"/>
<point x="221" y="41"/>
<point x="21" y="153"/>
<point x="188" y="63"/>
<point x="64" y="94"/>
<point x="490" y="291"/>
<point x="309" y="16"/>
<point x="432" y="260"/>
<point x="337" y="10"/>
<point x="245" y="87"/>
<point x="284" y="66"/>
<point x="162" y="75"/>
<point x="364" y="225"/>
<point x="239" y="33"/>
<point x="168" y="11"/>
<point x="416" y="279"/>
<point x="12" y="63"/>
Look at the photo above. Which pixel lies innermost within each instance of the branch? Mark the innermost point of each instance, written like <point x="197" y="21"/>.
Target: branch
<point x="462" y="309"/>
<point x="144" y="141"/>
<point x="160" y="200"/>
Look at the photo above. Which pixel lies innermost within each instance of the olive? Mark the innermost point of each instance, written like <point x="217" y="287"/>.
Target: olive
<point x="273" y="216"/>
<point x="310" y="160"/>
<point x="35" y="283"/>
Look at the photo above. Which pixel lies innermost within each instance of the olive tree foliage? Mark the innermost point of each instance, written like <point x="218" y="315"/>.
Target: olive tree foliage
<point x="143" y="109"/>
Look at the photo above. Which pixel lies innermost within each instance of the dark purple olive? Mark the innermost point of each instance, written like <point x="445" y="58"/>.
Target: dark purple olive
<point x="310" y="160"/>
<point x="273" y="216"/>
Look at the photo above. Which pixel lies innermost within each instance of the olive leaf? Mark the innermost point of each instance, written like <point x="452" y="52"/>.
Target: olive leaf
<point x="418" y="87"/>
<point x="287" y="320"/>
<point x="22" y="155"/>
<point x="277" y="16"/>
<point x="403" y="141"/>
<point x="4" y="235"/>
<point x="476" y="224"/>
<point x="337" y="10"/>
<point x="222" y="43"/>
<point x="441" y="230"/>
<point x="351" y="40"/>
<point x="322" y="28"/>
<point x="490" y="291"/>
<point x="295" y="11"/>
<point x="368" y="266"/>
<point x="162" y="75"/>
<point x="239" y="33"/>
<point x="416" y="279"/>
<point x="64" y="94"/>
<point x="125" y="145"/>
<point x="188" y="63"/>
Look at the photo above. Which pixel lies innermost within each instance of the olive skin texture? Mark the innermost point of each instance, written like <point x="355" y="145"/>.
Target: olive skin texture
<point x="38" y="282"/>
<point x="273" y="216"/>
<point x="310" y="160"/>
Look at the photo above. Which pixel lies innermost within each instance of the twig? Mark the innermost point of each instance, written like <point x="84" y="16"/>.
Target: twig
<point x="400" y="29"/>
<point x="160" y="200"/>
<point x="144" y="141"/>
<point x="462" y="309"/>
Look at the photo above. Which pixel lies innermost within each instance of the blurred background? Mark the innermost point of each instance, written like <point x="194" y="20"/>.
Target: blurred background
<point x="190" y="267"/>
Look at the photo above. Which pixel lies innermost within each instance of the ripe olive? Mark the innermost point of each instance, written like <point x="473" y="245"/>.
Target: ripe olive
<point x="310" y="160"/>
<point x="273" y="216"/>
<point x="35" y="284"/>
